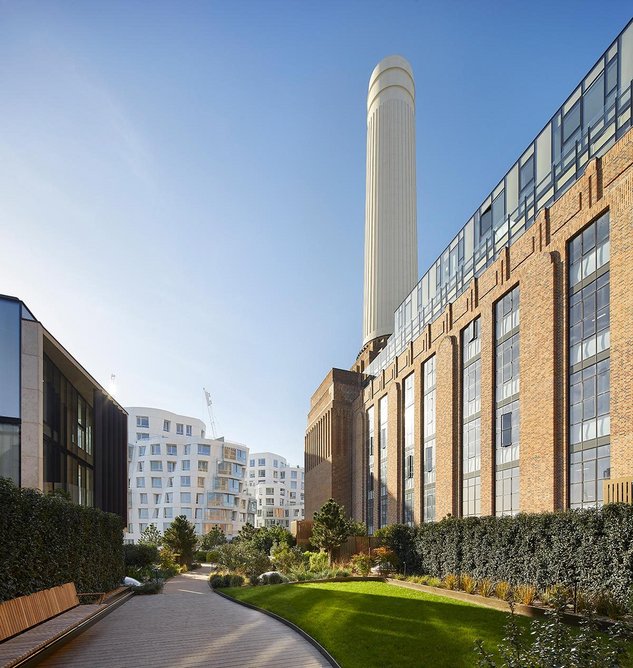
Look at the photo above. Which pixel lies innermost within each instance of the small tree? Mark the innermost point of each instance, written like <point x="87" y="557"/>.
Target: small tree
<point x="330" y="528"/>
<point x="151" y="536"/>
<point x="181" y="537"/>
<point x="212" y="539"/>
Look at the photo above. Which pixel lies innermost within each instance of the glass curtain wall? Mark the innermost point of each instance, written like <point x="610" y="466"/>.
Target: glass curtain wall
<point x="471" y="420"/>
<point x="408" y="459"/>
<point x="507" y="404"/>
<point x="428" y="371"/>
<point x="589" y="364"/>
<point x="10" y="352"/>
<point x="384" y="437"/>
<point x="371" y="473"/>
<point x="68" y="438"/>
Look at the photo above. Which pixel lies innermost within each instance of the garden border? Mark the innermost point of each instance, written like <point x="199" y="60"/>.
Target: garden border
<point x="306" y="636"/>
<point x="533" y="611"/>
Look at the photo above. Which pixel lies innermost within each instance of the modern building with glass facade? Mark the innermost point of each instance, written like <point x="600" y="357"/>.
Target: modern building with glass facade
<point x="174" y="470"/>
<point x="506" y="383"/>
<point x="59" y="428"/>
<point x="276" y="488"/>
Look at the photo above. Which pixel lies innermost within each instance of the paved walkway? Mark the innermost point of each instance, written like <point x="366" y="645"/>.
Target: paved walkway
<point x="185" y="627"/>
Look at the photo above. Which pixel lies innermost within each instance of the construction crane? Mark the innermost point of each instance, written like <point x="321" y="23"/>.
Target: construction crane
<point x="212" y="429"/>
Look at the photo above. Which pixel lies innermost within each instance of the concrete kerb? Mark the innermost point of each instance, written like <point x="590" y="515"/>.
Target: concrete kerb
<point x="326" y="655"/>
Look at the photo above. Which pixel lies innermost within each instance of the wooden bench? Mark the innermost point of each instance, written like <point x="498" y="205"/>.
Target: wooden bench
<point x="24" y="612"/>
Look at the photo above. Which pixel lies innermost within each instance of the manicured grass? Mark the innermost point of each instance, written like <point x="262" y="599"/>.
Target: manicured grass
<point x="364" y="624"/>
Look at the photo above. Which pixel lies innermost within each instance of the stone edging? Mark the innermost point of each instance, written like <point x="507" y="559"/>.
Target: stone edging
<point x="496" y="603"/>
<point x="328" y="657"/>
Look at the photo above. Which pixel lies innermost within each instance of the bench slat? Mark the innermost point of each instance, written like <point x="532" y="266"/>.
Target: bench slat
<point x="24" y="612"/>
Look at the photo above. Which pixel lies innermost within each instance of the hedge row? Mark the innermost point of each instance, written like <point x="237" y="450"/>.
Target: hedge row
<point x="47" y="541"/>
<point x="591" y="549"/>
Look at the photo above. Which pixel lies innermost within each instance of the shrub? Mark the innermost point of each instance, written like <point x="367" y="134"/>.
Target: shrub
<point x="362" y="563"/>
<point x="330" y="528"/>
<point x="486" y="587"/>
<point x="401" y="539"/>
<point x="195" y="566"/>
<point x="342" y="572"/>
<point x="589" y="549"/>
<point x="253" y="580"/>
<point x="200" y="555"/>
<point x="525" y="594"/>
<point x="286" y="558"/>
<point x="318" y="561"/>
<point x="217" y="581"/>
<point x="555" y="596"/>
<point x="450" y="581"/>
<point x="243" y="558"/>
<point x="503" y="590"/>
<point x="385" y="558"/>
<point x="551" y="642"/>
<point x="140" y="555"/>
<point x="468" y="584"/>
<point x="47" y="541"/>
<point x="150" y="587"/>
<point x="167" y="563"/>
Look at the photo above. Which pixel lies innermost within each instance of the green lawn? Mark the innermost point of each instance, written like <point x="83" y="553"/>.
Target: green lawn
<point x="365" y="624"/>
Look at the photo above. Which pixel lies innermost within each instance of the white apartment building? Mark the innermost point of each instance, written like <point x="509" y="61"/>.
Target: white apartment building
<point x="277" y="489"/>
<point x="174" y="470"/>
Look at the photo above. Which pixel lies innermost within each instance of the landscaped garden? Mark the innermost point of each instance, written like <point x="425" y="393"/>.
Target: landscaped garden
<point x="377" y="624"/>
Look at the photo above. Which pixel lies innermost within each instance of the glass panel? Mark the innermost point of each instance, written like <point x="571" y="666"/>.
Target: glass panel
<point x="9" y="358"/>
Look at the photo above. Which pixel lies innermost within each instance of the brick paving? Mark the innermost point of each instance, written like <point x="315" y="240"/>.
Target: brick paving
<point x="184" y="627"/>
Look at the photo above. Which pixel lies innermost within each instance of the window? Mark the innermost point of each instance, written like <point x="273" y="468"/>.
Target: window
<point x="428" y="424"/>
<point x="204" y="449"/>
<point x="142" y="437"/>
<point x="156" y="465"/>
<point x="485" y="221"/>
<point x="275" y="463"/>
<point x="141" y="450"/>
<point x="203" y="466"/>
<point x="166" y="425"/>
<point x="172" y="449"/>
<point x="157" y="498"/>
<point x="142" y="421"/>
<point x="270" y="501"/>
<point x="507" y="313"/>
<point x="590" y="365"/>
<point x="139" y="466"/>
<point x="251" y="463"/>
<point x="185" y="497"/>
<point x="293" y="474"/>
<point x="383" y="416"/>
<point x="198" y="513"/>
<point x="187" y="449"/>
<point x="140" y="482"/>
<point x="185" y="465"/>
<point x="169" y="496"/>
<point x="185" y="481"/>
<point x="262" y="473"/>
<point x="143" y="513"/>
<point x="200" y="481"/>
<point x="179" y="429"/>
<point x="261" y="462"/>
<point x="189" y="430"/>
<point x="293" y="484"/>
<point x="171" y="467"/>
<point x="143" y="497"/>
<point x="168" y="513"/>
<point x="154" y="449"/>
<point x="157" y="482"/>
<point x="270" y="491"/>
<point x="200" y="498"/>
<point x="408" y="449"/>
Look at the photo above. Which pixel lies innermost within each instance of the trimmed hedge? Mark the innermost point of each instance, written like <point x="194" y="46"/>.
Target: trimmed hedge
<point x="590" y="548"/>
<point x="47" y="541"/>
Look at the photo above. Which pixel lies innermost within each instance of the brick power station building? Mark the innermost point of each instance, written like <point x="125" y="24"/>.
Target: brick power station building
<point x="502" y="381"/>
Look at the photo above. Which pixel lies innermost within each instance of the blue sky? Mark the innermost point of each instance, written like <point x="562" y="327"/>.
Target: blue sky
<point x="182" y="183"/>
